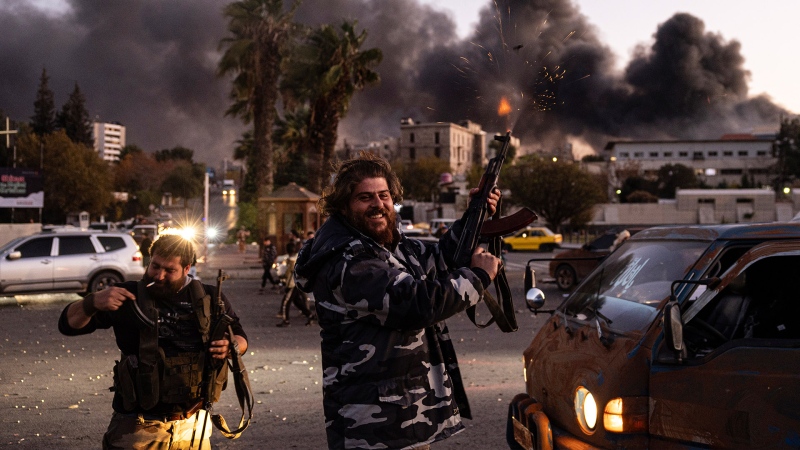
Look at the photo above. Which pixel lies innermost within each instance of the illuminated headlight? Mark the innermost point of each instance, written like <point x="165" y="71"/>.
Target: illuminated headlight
<point x="585" y="410"/>
<point x="211" y="232"/>
<point x="224" y="192"/>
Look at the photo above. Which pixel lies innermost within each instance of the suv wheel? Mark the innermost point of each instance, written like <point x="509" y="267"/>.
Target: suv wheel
<point x="103" y="280"/>
<point x="565" y="277"/>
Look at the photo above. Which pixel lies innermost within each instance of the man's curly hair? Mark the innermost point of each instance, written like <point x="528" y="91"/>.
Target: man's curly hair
<point x="172" y="245"/>
<point x="349" y="173"/>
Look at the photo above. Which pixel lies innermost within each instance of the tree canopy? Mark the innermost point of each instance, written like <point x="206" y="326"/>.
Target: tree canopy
<point x="74" y="119"/>
<point x="559" y="192"/>
<point x="75" y="178"/>
<point x="420" y="178"/>
<point x="43" y="120"/>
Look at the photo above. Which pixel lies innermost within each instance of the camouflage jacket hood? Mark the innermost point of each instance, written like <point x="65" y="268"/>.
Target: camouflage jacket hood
<point x="390" y="374"/>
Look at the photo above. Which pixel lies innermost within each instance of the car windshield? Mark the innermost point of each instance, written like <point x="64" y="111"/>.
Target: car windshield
<point x="626" y="289"/>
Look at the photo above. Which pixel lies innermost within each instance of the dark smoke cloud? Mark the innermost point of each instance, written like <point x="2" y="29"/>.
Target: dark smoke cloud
<point x="151" y="65"/>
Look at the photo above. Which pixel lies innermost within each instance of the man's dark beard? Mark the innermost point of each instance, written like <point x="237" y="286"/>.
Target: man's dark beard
<point x="384" y="237"/>
<point x="163" y="291"/>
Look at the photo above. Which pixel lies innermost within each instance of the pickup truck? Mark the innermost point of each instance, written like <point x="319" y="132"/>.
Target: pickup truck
<point x="684" y="337"/>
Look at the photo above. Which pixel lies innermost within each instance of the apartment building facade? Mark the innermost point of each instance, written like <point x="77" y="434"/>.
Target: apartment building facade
<point x="109" y="139"/>
<point x="714" y="161"/>
<point x="461" y="145"/>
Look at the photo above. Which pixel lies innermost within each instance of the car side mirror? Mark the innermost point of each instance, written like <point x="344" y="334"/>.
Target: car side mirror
<point x="14" y="256"/>
<point x="673" y="328"/>
<point x="534" y="299"/>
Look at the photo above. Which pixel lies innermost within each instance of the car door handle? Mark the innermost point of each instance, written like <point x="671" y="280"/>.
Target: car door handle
<point x="46" y="261"/>
<point x="94" y="258"/>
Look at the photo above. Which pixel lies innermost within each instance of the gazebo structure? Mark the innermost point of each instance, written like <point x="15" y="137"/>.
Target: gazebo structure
<point x="289" y="208"/>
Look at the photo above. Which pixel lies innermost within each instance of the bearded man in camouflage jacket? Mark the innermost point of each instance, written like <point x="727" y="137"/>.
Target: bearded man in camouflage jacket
<point x="390" y="375"/>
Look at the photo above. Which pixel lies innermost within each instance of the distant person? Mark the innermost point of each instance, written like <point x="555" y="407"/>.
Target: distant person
<point x="292" y="294"/>
<point x="268" y="255"/>
<point x="442" y="229"/>
<point x="241" y="238"/>
<point x="144" y="249"/>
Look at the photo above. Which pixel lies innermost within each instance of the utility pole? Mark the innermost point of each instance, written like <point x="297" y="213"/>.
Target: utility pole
<point x="205" y="219"/>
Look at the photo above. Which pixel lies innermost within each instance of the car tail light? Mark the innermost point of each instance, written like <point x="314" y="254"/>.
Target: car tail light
<point x="137" y="257"/>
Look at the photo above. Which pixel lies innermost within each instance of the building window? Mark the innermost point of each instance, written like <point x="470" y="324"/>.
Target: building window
<point x="638" y="154"/>
<point x="667" y="154"/>
<point x="727" y="153"/>
<point x="412" y="153"/>
<point x="713" y="154"/>
<point x="683" y="154"/>
<point x="711" y="172"/>
<point x="698" y="155"/>
<point x="761" y="153"/>
<point x="624" y="155"/>
<point x="744" y="200"/>
<point x="743" y="153"/>
<point x="411" y="138"/>
<point x="705" y="201"/>
<point x="436" y="138"/>
<point x="654" y="154"/>
<point x="437" y="152"/>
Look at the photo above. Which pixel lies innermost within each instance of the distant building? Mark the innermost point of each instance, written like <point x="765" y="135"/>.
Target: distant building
<point x="714" y="161"/>
<point x="385" y="148"/>
<point x="461" y="145"/>
<point x="109" y="139"/>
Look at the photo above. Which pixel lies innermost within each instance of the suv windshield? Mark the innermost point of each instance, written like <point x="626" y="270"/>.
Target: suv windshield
<point x="631" y="283"/>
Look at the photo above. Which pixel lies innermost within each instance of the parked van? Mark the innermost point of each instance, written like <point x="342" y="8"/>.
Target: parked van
<point x="684" y="337"/>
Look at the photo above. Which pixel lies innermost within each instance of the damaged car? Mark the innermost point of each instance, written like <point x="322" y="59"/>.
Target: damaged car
<point x="682" y="337"/>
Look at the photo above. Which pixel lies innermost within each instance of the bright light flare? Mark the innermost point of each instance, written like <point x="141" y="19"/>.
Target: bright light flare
<point x="504" y="109"/>
<point x="212" y="233"/>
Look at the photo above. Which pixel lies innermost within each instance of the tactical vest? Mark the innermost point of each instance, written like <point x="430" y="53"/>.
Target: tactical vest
<point x="155" y="378"/>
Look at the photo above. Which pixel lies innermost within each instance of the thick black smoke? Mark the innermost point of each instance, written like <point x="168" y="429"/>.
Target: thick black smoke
<point x="151" y="65"/>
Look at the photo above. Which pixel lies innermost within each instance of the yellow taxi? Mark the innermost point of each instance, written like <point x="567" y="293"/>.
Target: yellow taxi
<point x="533" y="238"/>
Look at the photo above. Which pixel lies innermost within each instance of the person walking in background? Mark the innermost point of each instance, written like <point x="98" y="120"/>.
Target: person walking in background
<point x="293" y="294"/>
<point x="144" y="249"/>
<point x="241" y="238"/>
<point x="268" y="255"/>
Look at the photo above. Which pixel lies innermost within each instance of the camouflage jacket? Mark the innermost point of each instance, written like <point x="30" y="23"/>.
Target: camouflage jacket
<point x="390" y="375"/>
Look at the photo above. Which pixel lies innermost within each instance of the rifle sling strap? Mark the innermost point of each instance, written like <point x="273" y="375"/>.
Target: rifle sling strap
<point x="503" y="311"/>
<point x="243" y="392"/>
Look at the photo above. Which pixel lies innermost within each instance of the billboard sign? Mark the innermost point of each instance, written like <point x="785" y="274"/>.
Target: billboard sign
<point x="21" y="188"/>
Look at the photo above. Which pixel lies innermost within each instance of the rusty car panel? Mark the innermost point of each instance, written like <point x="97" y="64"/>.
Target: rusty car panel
<point x="734" y="380"/>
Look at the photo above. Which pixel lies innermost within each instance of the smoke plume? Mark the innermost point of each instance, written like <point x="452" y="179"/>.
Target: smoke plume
<point x="151" y="65"/>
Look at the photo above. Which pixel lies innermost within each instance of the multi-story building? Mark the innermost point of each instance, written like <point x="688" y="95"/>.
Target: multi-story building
<point x="461" y="145"/>
<point x="109" y="138"/>
<point x="714" y="161"/>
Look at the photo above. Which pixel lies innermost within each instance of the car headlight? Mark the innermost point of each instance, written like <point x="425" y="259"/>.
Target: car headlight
<point x="585" y="410"/>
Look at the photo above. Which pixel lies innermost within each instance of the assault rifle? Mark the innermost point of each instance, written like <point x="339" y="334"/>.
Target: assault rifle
<point x="220" y="325"/>
<point x="478" y="230"/>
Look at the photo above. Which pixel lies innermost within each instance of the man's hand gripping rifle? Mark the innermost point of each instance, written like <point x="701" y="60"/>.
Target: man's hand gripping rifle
<point x="220" y="330"/>
<point x="478" y="230"/>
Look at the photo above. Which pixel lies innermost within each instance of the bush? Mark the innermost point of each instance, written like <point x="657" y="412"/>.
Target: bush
<point x="641" y="197"/>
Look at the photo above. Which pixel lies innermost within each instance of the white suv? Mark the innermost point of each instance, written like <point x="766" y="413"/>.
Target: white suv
<point x="68" y="261"/>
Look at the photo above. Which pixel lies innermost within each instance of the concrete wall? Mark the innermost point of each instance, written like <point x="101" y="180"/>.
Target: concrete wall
<point x="698" y="206"/>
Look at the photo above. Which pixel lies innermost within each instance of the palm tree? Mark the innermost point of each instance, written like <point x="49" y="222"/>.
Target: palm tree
<point x="260" y="31"/>
<point x="325" y="72"/>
